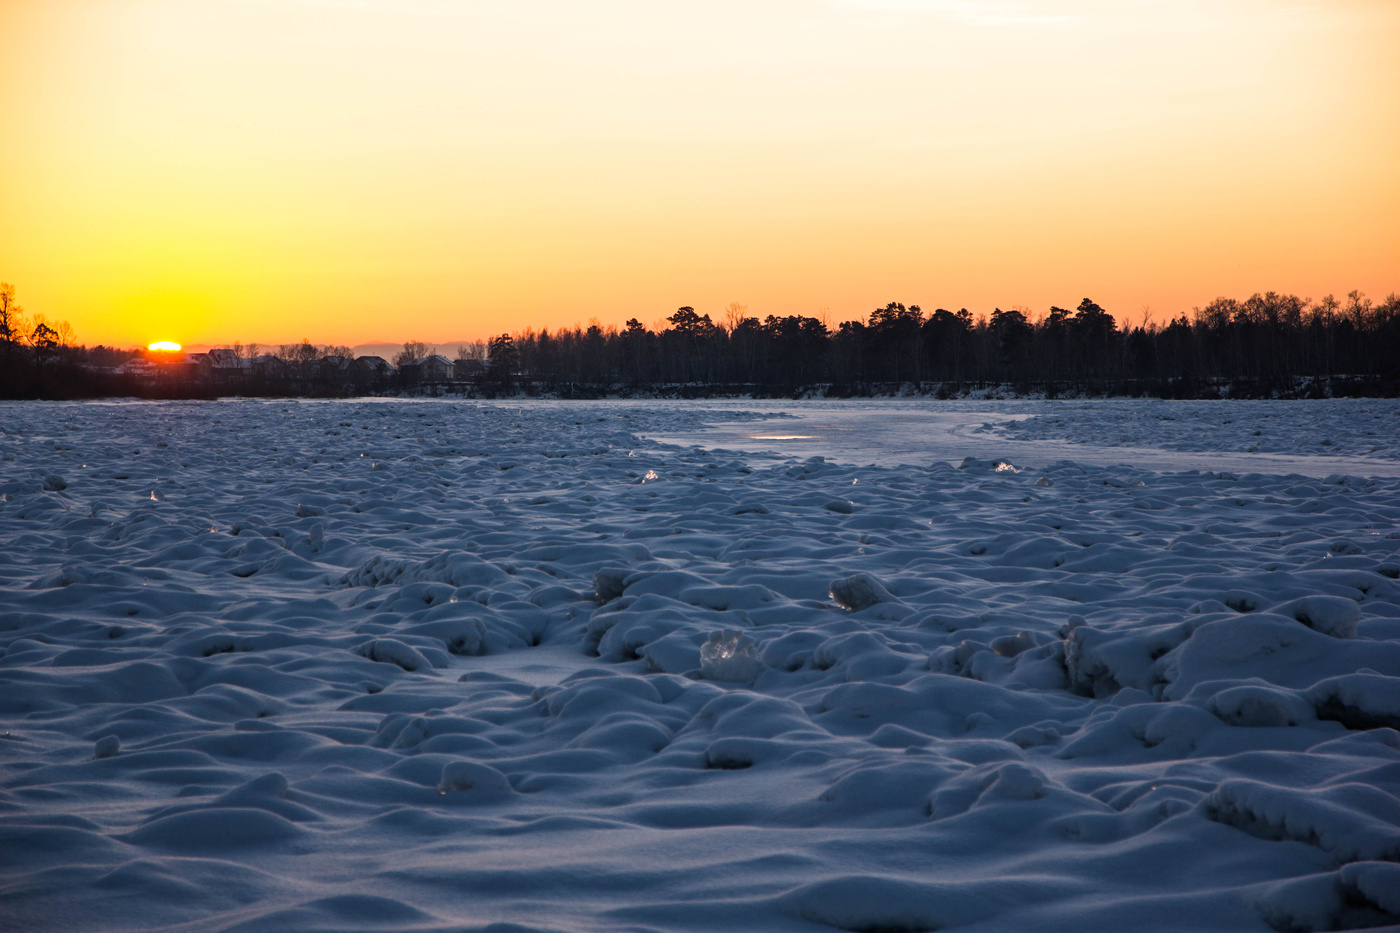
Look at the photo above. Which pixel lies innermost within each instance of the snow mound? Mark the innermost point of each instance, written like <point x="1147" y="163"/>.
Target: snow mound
<point x="483" y="781"/>
<point x="454" y="569"/>
<point x="1361" y="895"/>
<point x="1350" y="822"/>
<point x="862" y="903"/>
<point x="1261" y="706"/>
<point x="1358" y="701"/>
<point x="389" y="651"/>
<point x="1330" y="615"/>
<point x="215" y="830"/>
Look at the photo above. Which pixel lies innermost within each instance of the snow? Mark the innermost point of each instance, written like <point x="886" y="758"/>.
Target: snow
<point x="545" y="666"/>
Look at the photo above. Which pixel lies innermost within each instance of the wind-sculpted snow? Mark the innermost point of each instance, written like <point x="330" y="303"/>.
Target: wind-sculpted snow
<point x="453" y="666"/>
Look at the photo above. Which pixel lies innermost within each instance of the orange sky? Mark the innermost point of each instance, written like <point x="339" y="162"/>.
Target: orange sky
<point x="357" y="170"/>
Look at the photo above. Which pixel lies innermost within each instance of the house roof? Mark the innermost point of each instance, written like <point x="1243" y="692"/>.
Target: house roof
<point x="224" y="359"/>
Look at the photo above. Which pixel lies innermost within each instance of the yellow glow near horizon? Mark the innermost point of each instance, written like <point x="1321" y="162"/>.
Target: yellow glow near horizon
<point x="164" y="346"/>
<point x="355" y="171"/>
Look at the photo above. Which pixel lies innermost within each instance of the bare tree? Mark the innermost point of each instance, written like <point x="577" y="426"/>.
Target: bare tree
<point x="414" y="351"/>
<point x="734" y="314"/>
<point x="13" y="328"/>
<point x="472" y="350"/>
<point x="306" y="351"/>
<point x="49" y="335"/>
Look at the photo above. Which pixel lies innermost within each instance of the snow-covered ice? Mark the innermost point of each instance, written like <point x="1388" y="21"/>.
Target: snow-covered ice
<point x="794" y="666"/>
<point x="1312" y="438"/>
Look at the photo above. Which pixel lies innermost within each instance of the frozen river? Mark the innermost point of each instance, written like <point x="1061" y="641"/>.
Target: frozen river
<point x="516" y="666"/>
<point x="1359" y="436"/>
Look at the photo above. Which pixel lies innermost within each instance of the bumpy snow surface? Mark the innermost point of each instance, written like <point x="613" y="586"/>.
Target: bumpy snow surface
<point x="387" y="665"/>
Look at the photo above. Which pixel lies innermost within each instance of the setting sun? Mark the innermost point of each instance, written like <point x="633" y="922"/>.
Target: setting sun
<point x="164" y="346"/>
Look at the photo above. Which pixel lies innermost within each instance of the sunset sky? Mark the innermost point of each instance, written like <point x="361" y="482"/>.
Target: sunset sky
<point x="382" y="170"/>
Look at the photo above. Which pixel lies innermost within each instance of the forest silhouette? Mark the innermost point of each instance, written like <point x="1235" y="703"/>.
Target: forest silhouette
<point x="1269" y="345"/>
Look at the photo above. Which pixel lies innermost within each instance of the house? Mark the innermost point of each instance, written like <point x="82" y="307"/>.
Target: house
<point x="337" y="367"/>
<point x="436" y="368"/>
<point x="336" y="372"/>
<point x="468" y="370"/>
<point x="220" y="366"/>
<point x="373" y="368"/>
<point x="268" y="367"/>
<point x="138" y="368"/>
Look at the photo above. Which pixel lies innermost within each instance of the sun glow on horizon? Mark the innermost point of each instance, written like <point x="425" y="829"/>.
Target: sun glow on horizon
<point x="164" y="346"/>
<point x="373" y="171"/>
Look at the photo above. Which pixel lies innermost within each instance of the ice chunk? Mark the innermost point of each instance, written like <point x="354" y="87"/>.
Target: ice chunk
<point x="729" y="657"/>
<point x="107" y="747"/>
<point x="859" y="591"/>
<point x="55" y="483"/>
<point x="608" y="584"/>
<point x="1008" y="646"/>
<point x="996" y="466"/>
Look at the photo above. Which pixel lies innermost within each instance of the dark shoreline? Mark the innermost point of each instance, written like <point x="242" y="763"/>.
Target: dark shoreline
<point x="100" y="386"/>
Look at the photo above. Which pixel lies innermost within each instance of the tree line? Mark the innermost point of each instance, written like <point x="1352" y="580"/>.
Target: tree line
<point x="1268" y="344"/>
